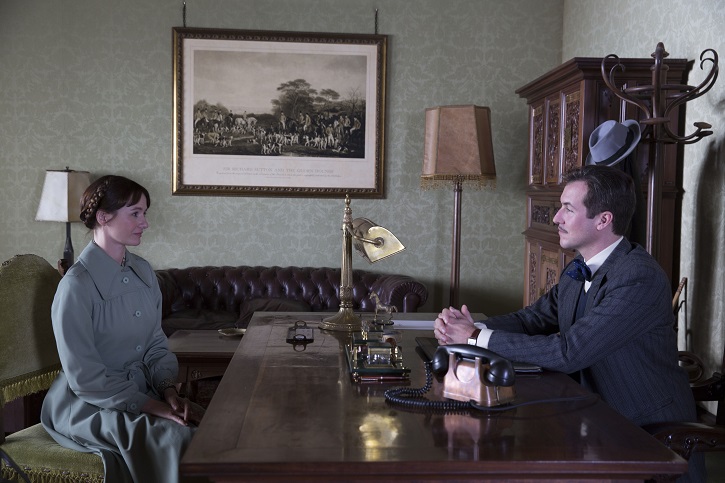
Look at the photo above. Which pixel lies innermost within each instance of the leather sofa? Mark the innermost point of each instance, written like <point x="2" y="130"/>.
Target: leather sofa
<point x="216" y="297"/>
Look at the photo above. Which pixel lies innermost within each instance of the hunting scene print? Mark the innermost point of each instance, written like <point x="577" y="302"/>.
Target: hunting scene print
<point x="278" y="113"/>
<point x="303" y="119"/>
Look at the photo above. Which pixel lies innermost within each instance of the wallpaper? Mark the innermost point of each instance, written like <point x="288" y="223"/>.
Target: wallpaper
<point x="687" y="29"/>
<point x="88" y="84"/>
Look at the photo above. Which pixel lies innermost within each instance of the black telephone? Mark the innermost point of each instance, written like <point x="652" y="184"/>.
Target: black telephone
<point x="473" y="373"/>
<point x="500" y="371"/>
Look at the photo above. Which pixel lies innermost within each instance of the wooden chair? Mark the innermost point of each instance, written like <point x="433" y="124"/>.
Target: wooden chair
<point x="685" y="438"/>
<point x="28" y="364"/>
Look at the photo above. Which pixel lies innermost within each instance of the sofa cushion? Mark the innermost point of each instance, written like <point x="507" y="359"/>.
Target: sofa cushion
<point x="193" y="319"/>
<point x="269" y="305"/>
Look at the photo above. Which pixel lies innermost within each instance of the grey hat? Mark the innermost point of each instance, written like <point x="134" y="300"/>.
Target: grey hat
<point x="612" y="141"/>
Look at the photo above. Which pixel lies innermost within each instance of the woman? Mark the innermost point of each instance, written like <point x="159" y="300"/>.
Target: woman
<point x="115" y="395"/>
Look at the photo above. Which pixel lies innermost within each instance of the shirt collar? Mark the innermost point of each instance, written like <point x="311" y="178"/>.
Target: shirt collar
<point x="598" y="260"/>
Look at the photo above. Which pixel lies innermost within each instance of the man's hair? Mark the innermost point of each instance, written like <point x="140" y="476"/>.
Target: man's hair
<point x="608" y="189"/>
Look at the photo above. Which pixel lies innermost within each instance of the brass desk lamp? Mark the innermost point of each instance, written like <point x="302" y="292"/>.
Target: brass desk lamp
<point x="374" y="243"/>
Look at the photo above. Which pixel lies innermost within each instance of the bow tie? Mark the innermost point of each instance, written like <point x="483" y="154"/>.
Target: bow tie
<point x="580" y="271"/>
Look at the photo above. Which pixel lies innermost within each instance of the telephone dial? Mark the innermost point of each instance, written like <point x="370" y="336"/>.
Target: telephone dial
<point x="474" y="373"/>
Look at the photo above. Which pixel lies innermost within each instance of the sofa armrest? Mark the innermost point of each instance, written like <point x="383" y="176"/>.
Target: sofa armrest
<point x="402" y="291"/>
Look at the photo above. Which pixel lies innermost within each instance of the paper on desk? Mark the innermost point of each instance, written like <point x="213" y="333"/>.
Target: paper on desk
<point x="414" y="324"/>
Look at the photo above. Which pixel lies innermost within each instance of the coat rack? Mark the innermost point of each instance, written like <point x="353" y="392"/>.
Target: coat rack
<point x="657" y="101"/>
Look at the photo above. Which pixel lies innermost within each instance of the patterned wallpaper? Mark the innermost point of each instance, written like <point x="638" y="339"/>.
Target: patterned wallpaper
<point x="633" y="29"/>
<point x="87" y="84"/>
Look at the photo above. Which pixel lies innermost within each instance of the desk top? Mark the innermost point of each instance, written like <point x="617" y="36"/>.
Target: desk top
<point x="282" y="413"/>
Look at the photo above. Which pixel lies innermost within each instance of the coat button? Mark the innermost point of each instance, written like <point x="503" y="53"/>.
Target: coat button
<point x="125" y="280"/>
<point x="138" y="348"/>
<point x="137" y="313"/>
<point x="133" y="406"/>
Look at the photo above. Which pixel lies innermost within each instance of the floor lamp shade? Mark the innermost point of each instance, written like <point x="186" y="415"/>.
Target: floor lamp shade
<point x="458" y="147"/>
<point x="458" y="150"/>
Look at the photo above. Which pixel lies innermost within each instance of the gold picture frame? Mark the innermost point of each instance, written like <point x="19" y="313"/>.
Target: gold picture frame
<point x="261" y="113"/>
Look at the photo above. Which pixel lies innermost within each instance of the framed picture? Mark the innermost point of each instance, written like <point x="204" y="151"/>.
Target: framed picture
<point x="259" y="113"/>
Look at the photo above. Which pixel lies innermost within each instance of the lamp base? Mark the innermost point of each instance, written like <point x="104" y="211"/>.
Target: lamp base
<point x="344" y="320"/>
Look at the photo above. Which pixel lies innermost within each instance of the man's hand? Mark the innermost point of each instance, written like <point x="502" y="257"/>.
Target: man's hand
<point x="453" y="326"/>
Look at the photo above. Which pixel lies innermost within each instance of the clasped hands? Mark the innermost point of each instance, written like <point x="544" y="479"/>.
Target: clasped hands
<point x="175" y="408"/>
<point x="453" y="326"/>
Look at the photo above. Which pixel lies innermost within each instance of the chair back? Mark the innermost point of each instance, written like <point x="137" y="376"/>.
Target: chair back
<point x="29" y="358"/>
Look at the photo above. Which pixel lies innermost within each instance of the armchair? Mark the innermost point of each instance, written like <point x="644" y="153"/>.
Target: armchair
<point x="28" y="364"/>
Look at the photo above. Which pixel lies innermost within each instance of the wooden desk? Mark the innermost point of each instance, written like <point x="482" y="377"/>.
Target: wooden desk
<point x="282" y="414"/>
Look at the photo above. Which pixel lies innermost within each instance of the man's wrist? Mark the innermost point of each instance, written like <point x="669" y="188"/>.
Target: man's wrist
<point x="473" y="338"/>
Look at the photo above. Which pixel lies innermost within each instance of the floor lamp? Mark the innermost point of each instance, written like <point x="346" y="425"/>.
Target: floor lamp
<point x="60" y="200"/>
<point x="458" y="150"/>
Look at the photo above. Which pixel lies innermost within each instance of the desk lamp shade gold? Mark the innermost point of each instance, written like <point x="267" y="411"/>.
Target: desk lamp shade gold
<point x="374" y="243"/>
<point x="458" y="150"/>
<point x="60" y="201"/>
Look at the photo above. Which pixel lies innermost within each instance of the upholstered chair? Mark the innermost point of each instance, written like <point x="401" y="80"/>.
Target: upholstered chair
<point x="28" y="364"/>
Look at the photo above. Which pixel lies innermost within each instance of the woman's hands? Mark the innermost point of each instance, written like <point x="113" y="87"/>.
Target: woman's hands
<point x="174" y="408"/>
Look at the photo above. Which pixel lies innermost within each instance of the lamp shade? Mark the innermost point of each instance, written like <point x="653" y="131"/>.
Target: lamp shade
<point x="61" y="195"/>
<point x="373" y="242"/>
<point x="458" y="146"/>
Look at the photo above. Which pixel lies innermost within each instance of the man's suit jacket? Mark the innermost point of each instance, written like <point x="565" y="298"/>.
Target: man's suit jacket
<point x="624" y="345"/>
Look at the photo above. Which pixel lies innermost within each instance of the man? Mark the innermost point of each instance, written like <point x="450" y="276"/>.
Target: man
<point x="614" y="328"/>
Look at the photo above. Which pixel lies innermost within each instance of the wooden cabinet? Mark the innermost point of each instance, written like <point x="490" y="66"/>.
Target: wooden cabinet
<point x="565" y="105"/>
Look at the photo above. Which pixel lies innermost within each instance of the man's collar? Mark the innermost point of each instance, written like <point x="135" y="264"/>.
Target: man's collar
<point x="598" y="260"/>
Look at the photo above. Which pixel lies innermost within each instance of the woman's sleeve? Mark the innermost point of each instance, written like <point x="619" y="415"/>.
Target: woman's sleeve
<point x="160" y="360"/>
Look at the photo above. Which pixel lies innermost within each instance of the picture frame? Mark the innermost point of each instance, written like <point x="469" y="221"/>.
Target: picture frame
<point x="262" y="113"/>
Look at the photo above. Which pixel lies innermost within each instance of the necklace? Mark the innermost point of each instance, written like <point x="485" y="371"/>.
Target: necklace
<point x="123" y="260"/>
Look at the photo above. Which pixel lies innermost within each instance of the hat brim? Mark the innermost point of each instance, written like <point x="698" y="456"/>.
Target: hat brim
<point x="635" y="129"/>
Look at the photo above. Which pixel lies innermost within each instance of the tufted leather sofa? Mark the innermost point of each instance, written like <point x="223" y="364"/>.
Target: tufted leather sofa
<point x="221" y="297"/>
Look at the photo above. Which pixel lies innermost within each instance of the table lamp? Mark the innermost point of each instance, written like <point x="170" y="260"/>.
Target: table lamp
<point x="60" y="201"/>
<point x="374" y="243"/>
<point x="458" y="150"/>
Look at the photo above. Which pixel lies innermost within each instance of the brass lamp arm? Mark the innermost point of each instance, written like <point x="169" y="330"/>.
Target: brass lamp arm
<point x="377" y="241"/>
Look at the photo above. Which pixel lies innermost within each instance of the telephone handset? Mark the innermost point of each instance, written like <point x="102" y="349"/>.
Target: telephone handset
<point x="500" y="371"/>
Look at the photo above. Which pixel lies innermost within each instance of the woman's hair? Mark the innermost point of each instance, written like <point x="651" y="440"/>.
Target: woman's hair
<point x="608" y="189"/>
<point x="110" y="193"/>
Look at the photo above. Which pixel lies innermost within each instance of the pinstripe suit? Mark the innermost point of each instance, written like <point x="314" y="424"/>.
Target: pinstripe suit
<point x="624" y="345"/>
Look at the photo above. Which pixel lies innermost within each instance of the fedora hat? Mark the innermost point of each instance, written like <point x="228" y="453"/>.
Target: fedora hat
<point x="612" y="141"/>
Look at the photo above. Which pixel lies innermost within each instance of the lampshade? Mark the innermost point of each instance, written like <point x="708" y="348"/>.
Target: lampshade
<point x="373" y="242"/>
<point x="458" y="147"/>
<point x="61" y="195"/>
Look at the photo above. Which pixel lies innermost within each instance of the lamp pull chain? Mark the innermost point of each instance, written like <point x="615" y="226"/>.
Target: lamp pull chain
<point x="183" y="14"/>
<point x="376" y="21"/>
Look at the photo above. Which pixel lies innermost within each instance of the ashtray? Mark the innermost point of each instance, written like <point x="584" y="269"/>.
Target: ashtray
<point x="232" y="332"/>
